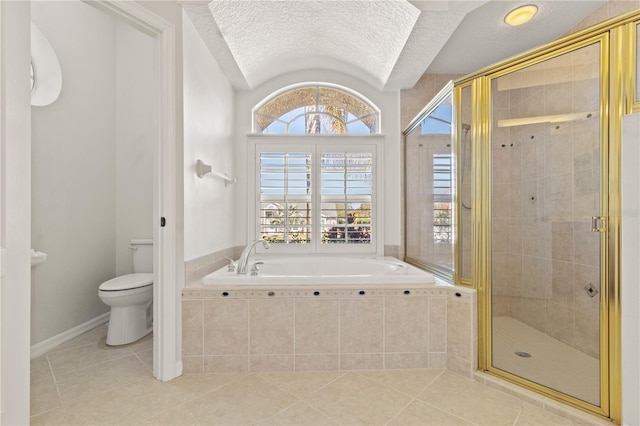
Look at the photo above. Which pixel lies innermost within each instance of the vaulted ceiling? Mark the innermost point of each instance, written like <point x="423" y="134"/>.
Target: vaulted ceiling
<point x="387" y="43"/>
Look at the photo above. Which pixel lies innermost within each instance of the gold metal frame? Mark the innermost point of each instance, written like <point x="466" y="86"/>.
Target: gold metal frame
<point x="618" y="88"/>
<point x="603" y="409"/>
<point x="458" y="278"/>
<point x="631" y="34"/>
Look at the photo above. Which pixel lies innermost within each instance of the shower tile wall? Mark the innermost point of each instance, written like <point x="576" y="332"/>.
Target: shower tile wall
<point x="545" y="190"/>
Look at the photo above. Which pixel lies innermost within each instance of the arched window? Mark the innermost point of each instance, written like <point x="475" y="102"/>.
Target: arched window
<point x="317" y="194"/>
<point x="316" y="108"/>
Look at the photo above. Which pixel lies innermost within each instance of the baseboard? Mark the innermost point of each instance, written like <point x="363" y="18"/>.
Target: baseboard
<point x="52" y="342"/>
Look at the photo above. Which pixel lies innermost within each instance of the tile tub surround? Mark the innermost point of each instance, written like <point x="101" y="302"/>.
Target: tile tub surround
<point x="200" y="267"/>
<point x="295" y="330"/>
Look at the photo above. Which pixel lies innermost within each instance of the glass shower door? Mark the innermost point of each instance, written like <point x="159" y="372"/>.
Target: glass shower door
<point x="545" y="258"/>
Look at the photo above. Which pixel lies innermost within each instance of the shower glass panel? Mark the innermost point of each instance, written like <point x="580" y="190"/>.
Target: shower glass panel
<point x="429" y="191"/>
<point x="466" y="182"/>
<point x="545" y="259"/>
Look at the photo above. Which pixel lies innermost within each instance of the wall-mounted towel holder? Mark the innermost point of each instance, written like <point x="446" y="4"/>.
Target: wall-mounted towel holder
<point x="203" y="169"/>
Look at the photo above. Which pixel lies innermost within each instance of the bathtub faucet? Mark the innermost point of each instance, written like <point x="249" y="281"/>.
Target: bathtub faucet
<point x="244" y="257"/>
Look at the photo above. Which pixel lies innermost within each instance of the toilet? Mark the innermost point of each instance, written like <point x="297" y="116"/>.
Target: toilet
<point x="130" y="297"/>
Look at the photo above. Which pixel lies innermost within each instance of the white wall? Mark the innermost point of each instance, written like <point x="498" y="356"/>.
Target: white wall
<point x="73" y="160"/>
<point x="630" y="270"/>
<point x="14" y="212"/>
<point x="136" y="134"/>
<point x="389" y="104"/>
<point x="209" y="217"/>
<point x="92" y="162"/>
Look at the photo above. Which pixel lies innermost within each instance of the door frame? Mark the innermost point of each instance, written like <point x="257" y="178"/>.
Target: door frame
<point x="15" y="212"/>
<point x="168" y="282"/>
<point x="483" y="237"/>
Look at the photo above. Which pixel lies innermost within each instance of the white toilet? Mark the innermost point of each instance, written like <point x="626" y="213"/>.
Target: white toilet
<point x="130" y="297"/>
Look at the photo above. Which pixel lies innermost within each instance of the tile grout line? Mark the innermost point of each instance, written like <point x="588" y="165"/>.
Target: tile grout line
<point x="384" y="334"/>
<point x="401" y="410"/>
<point x="449" y="413"/>
<point x="203" y="334"/>
<point x="248" y="335"/>
<point x="339" y="334"/>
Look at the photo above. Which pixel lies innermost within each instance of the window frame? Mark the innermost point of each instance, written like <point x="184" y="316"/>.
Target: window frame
<point x="318" y="143"/>
<point x="316" y="86"/>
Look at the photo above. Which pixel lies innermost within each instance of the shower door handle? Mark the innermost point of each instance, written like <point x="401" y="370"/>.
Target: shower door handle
<point x="594" y="223"/>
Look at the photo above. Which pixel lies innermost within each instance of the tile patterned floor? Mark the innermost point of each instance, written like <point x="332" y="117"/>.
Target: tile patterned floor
<point x="85" y="382"/>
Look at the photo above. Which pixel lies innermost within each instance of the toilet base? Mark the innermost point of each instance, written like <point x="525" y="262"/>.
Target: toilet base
<point x="128" y="324"/>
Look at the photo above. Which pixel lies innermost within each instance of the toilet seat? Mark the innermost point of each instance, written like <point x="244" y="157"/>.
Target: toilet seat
<point x="127" y="282"/>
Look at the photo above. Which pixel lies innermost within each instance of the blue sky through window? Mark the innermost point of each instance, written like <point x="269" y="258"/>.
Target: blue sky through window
<point x="438" y="122"/>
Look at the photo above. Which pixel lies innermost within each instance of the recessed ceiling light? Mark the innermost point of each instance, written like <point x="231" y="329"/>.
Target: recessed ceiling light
<point x="521" y="15"/>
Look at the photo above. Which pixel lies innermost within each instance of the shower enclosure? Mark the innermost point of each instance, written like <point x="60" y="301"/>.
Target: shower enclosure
<point x="529" y="180"/>
<point x="535" y="234"/>
<point x="546" y="225"/>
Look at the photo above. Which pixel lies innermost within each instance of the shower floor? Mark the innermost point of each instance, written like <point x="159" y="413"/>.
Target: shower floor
<point x="552" y="363"/>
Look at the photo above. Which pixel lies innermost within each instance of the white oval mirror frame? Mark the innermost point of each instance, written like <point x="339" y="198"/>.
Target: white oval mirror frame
<point x="47" y="74"/>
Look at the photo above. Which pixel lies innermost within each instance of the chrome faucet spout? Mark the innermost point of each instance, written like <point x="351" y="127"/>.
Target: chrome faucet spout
<point x="244" y="257"/>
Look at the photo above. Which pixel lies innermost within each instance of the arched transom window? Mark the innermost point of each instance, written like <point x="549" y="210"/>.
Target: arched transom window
<point x="316" y="108"/>
<point x="312" y="193"/>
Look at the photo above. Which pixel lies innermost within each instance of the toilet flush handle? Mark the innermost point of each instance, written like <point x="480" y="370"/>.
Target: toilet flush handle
<point x="133" y="248"/>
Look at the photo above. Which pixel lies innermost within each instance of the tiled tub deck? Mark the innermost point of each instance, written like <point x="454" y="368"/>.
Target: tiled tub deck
<point x="314" y="329"/>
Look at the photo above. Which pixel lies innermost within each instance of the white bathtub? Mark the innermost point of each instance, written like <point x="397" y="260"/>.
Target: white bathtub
<point x="325" y="271"/>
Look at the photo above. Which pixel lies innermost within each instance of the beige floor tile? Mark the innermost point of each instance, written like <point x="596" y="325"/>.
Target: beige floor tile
<point x="196" y="385"/>
<point x="471" y="400"/>
<point x="57" y="417"/>
<point x="101" y="377"/>
<point x="246" y="401"/>
<point x="302" y="384"/>
<point x="355" y="399"/>
<point x="68" y="360"/>
<point x="422" y="414"/>
<point x="530" y="415"/>
<point x="146" y="357"/>
<point x="123" y="391"/>
<point x="175" y="416"/>
<point x="300" y="414"/>
<point x="40" y="368"/>
<point x="410" y="382"/>
<point x="130" y="403"/>
<point x="44" y="395"/>
<point x="144" y="344"/>
<point x="94" y="335"/>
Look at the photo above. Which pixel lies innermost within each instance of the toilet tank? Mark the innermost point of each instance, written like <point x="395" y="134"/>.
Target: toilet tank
<point x="142" y="255"/>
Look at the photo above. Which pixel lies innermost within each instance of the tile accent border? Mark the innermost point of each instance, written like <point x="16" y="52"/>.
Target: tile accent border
<point x="320" y="329"/>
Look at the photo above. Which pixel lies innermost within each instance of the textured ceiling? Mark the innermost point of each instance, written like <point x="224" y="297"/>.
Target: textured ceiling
<point x="369" y="35"/>
<point x="386" y="43"/>
<point x="483" y="39"/>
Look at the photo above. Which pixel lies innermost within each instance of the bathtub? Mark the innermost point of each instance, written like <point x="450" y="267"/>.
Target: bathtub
<point x="325" y="271"/>
<point x="318" y="313"/>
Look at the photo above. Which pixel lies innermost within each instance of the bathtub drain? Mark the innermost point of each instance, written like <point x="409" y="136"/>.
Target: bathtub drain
<point x="523" y="354"/>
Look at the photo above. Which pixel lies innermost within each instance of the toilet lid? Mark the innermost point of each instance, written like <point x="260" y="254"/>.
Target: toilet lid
<point x="127" y="282"/>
